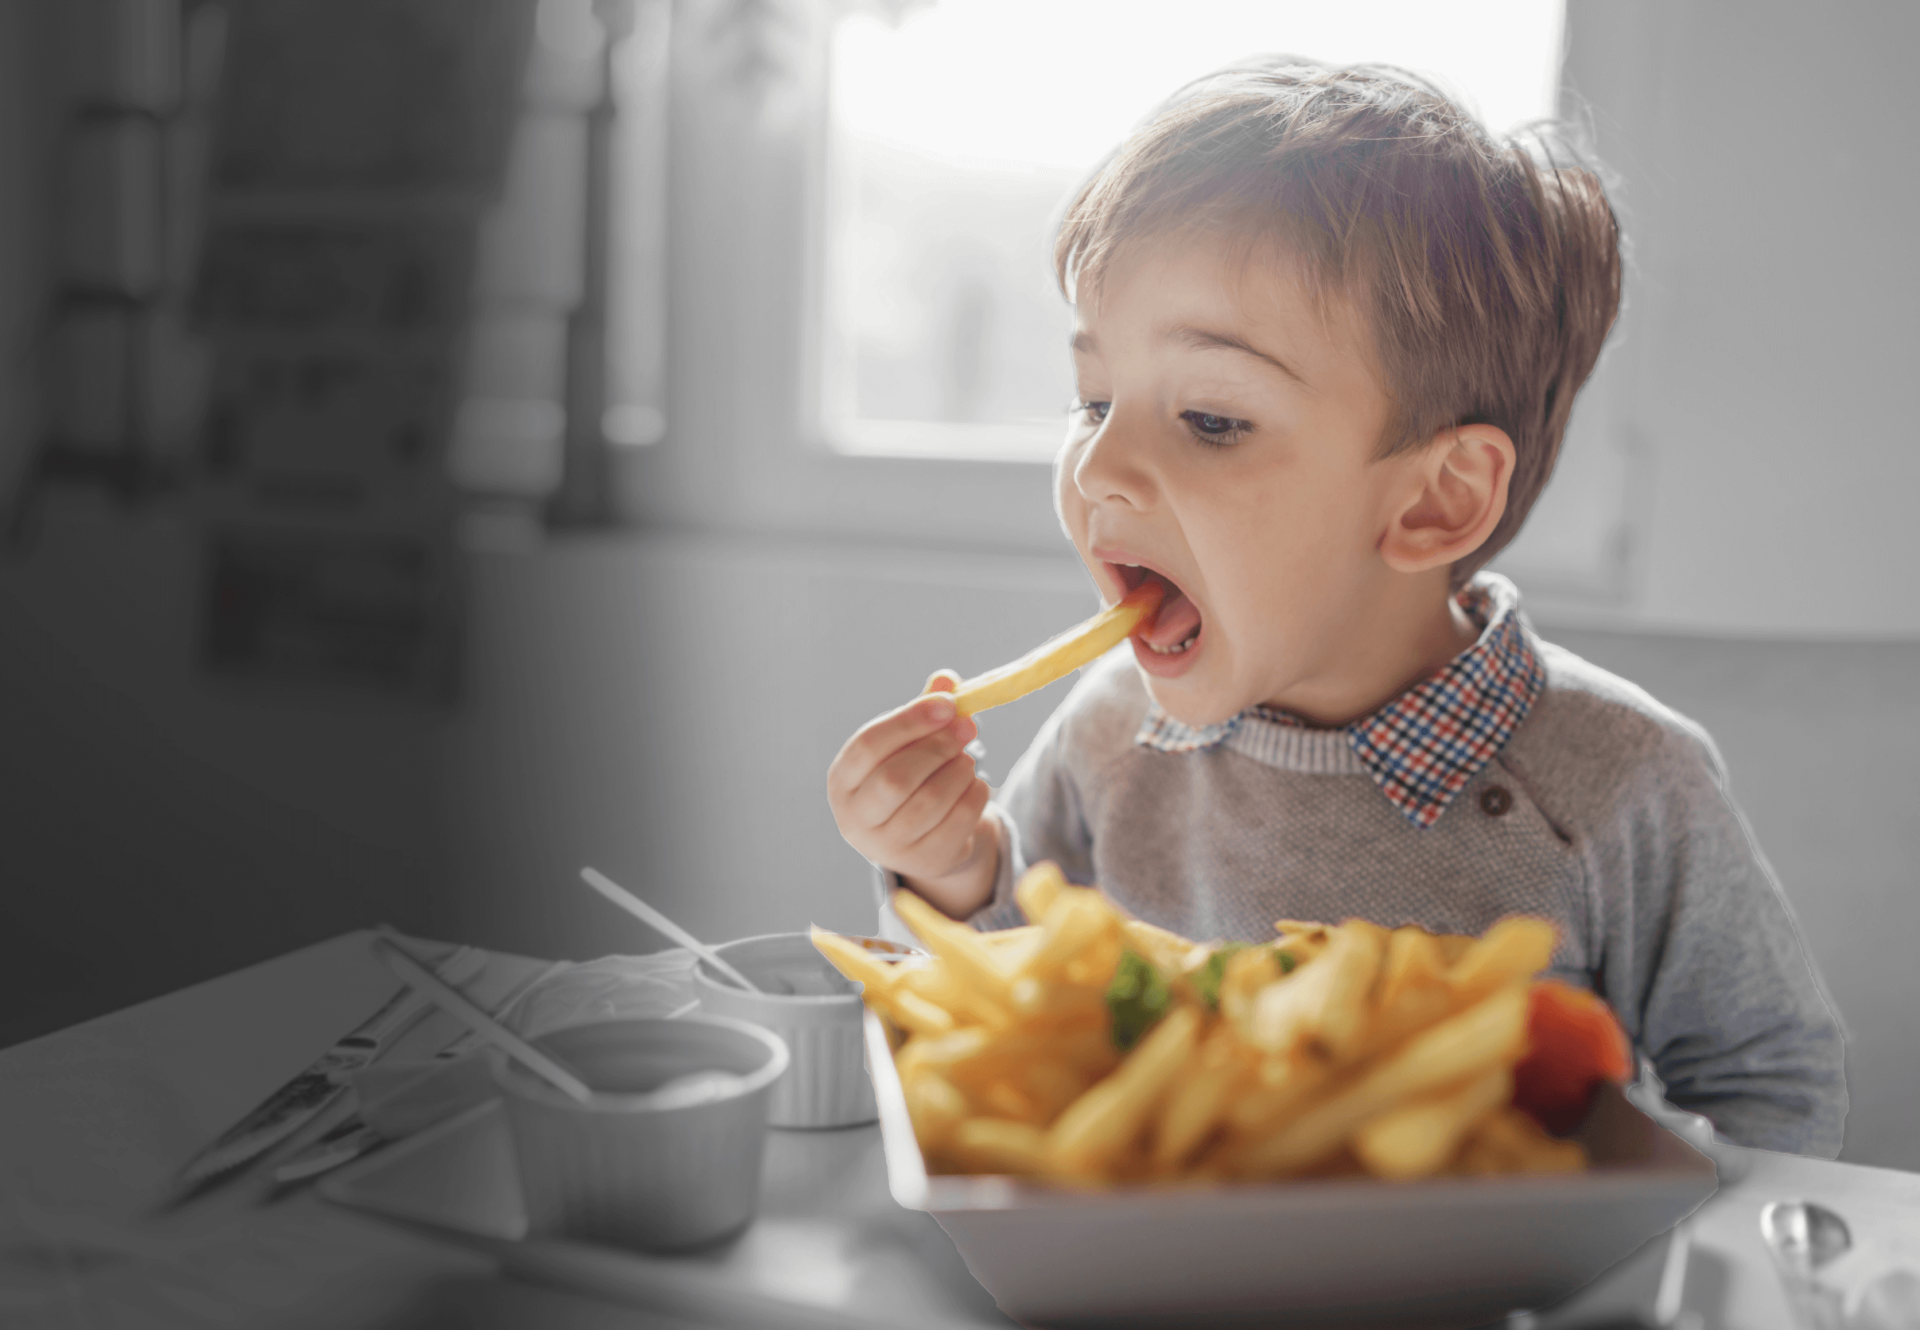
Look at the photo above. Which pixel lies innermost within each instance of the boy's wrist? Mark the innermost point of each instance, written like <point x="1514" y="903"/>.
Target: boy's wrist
<point x="963" y="890"/>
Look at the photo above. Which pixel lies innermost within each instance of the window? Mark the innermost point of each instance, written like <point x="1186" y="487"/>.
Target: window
<point x="957" y="133"/>
<point x="865" y="340"/>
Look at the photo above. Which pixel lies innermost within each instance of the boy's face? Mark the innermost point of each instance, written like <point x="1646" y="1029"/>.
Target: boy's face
<point x="1224" y="440"/>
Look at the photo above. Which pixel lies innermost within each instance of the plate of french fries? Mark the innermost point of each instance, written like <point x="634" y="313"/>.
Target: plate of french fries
<point x="1113" y="1121"/>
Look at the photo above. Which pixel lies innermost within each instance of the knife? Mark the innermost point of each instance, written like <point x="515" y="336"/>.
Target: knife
<point x="350" y="1138"/>
<point x="297" y="1102"/>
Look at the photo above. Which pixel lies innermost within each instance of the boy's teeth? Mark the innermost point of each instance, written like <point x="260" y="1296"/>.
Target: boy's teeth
<point x="1173" y="650"/>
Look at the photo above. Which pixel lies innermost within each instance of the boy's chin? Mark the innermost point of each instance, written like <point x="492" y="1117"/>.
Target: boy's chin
<point x="1196" y="708"/>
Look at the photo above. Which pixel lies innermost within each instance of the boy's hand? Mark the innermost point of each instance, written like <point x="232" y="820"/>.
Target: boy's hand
<point x="905" y="796"/>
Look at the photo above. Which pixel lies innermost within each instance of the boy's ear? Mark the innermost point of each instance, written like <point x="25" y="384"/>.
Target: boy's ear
<point x="1454" y="496"/>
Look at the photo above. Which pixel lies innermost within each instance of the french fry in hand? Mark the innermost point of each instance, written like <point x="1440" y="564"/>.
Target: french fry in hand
<point x="1062" y="655"/>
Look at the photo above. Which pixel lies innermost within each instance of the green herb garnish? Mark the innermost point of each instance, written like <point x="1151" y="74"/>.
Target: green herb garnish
<point x="1206" y="979"/>
<point x="1136" y="999"/>
<point x="1287" y="961"/>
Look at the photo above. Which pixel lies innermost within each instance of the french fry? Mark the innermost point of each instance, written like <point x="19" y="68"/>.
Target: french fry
<point x="1508" y="1140"/>
<point x="1514" y="948"/>
<point x="1172" y="953"/>
<point x="1095" y="1128"/>
<point x="1061" y="655"/>
<point x="1077" y="919"/>
<point x="1095" y="966"/>
<point x="1038" y="889"/>
<point x="939" y="985"/>
<point x="936" y="1106"/>
<point x="852" y="960"/>
<point x="966" y="956"/>
<point x="1419" y="1137"/>
<point x="916" y="1015"/>
<point x="1491" y="1033"/>
<point x="1281" y="1086"/>
<point x="1247" y="974"/>
<point x="1008" y="1100"/>
<point x="1325" y="1001"/>
<point x="941" y="1052"/>
<point x="1338" y="1051"/>
<point x="1412" y="960"/>
<point x="1054" y="1085"/>
<point x="997" y="1145"/>
<point x="1043" y="999"/>
<point x="1198" y="1100"/>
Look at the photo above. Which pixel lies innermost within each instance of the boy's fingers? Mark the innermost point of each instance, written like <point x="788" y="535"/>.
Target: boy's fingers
<point x="897" y="779"/>
<point x="878" y="740"/>
<point x="960" y="821"/>
<point x="924" y="809"/>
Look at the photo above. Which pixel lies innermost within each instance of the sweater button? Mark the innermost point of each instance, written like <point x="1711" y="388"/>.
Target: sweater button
<point x="1495" y="801"/>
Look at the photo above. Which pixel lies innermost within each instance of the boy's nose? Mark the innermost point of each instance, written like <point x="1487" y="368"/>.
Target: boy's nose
<point x="1110" y="467"/>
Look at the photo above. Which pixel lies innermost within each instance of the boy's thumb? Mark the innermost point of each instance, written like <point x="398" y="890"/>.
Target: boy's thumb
<point x="941" y="681"/>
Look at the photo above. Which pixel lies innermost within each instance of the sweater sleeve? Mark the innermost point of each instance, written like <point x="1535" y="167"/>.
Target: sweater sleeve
<point x="1705" y="963"/>
<point x="1040" y="818"/>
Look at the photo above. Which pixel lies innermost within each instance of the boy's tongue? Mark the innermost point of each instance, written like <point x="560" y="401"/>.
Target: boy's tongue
<point x="1176" y="621"/>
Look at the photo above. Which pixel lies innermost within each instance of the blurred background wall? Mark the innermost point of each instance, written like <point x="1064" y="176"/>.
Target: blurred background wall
<point x="650" y="592"/>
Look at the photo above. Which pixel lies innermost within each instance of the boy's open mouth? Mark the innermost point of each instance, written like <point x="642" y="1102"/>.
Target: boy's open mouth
<point x="1177" y="626"/>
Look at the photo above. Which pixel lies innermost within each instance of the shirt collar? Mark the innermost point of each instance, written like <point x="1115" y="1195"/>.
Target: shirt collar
<point x="1424" y="746"/>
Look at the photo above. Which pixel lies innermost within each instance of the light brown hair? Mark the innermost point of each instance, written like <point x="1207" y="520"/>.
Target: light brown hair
<point x="1487" y="270"/>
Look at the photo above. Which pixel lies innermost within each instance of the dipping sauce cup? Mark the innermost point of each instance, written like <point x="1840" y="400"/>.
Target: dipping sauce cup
<point x="624" y="1168"/>
<point x="816" y="1010"/>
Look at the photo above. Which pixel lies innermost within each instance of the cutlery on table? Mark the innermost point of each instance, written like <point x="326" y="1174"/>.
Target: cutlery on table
<point x="301" y="1099"/>
<point x="456" y="1004"/>
<point x="351" y="1137"/>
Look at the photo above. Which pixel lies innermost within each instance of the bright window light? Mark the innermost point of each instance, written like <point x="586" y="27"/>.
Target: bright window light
<point x="959" y="132"/>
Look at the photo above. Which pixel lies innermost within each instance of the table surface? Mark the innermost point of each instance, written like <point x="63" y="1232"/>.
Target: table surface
<point x="95" y="1120"/>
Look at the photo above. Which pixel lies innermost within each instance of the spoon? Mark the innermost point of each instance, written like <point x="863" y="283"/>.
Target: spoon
<point x="1805" y="1237"/>
<point x="450" y="1000"/>
<point x="659" y="922"/>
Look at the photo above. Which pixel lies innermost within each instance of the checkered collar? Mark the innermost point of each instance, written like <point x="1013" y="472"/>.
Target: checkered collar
<point x="1424" y="746"/>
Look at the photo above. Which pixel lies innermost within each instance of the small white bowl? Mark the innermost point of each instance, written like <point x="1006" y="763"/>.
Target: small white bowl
<point x="828" y="1084"/>
<point x="623" y="1169"/>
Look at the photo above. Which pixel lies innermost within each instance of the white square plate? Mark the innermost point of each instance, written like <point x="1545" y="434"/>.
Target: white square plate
<point x="1441" y="1252"/>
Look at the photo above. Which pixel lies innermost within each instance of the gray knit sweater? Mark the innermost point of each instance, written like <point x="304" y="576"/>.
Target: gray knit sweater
<point x="1615" y="824"/>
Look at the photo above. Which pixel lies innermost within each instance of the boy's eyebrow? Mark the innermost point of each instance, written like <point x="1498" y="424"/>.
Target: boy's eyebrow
<point x="1205" y="339"/>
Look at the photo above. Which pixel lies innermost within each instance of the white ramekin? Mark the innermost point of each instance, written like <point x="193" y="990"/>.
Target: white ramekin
<point x="618" y="1170"/>
<point x="827" y="1085"/>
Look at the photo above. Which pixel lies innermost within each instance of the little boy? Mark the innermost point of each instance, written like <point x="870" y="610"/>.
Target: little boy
<point x="1328" y="335"/>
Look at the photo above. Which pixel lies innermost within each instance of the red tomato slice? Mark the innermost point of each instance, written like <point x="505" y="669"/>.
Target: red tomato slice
<point x="1574" y="1044"/>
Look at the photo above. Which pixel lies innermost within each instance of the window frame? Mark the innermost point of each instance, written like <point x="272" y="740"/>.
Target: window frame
<point x="746" y="451"/>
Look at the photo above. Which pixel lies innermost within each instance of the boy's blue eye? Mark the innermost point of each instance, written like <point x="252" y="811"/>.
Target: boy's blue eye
<point x="1212" y="429"/>
<point x="1093" y="411"/>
